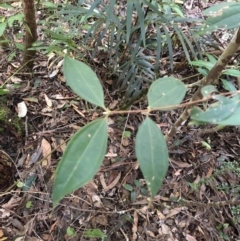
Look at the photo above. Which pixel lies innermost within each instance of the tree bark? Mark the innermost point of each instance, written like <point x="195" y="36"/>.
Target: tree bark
<point x="31" y="32"/>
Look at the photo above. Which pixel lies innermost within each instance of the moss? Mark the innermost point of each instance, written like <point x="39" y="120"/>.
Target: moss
<point x="10" y="121"/>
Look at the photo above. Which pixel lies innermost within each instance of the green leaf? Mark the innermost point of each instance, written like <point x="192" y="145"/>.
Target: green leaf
<point x="218" y="8"/>
<point x="152" y="154"/>
<point x="218" y="111"/>
<point x="6" y="6"/>
<point x="3" y="91"/>
<point x="18" y="17"/>
<point x="232" y="120"/>
<point x="94" y="233"/>
<point x="20" y="184"/>
<point x="137" y="4"/>
<point x="202" y="63"/>
<point x="83" y="81"/>
<point x="211" y="59"/>
<point x="208" y="90"/>
<point x="29" y="182"/>
<point x="129" y="20"/>
<point x="232" y="72"/>
<point x="29" y="204"/>
<point x="81" y="160"/>
<point x="170" y="46"/>
<point x="165" y="92"/>
<point x="223" y="15"/>
<point x="2" y="28"/>
<point x="227" y="85"/>
<point x="177" y="9"/>
<point x="70" y="232"/>
<point x="206" y="145"/>
<point x="128" y="187"/>
<point x="126" y="134"/>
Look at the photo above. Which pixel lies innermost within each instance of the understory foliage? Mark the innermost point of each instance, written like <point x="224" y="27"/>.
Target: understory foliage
<point x="86" y="149"/>
<point x="133" y="36"/>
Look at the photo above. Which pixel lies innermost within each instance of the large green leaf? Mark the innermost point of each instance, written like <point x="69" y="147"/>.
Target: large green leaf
<point x="223" y="15"/>
<point x="202" y="63"/>
<point x="207" y="90"/>
<point x="83" y="81"/>
<point x="81" y="159"/>
<point x="232" y="120"/>
<point x="232" y="72"/>
<point x="152" y="154"/>
<point x="227" y="85"/>
<point x="2" y="28"/>
<point x="165" y="92"/>
<point x="218" y="111"/>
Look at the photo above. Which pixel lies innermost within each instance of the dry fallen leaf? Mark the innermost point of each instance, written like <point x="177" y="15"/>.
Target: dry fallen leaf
<point x="190" y="238"/>
<point x="135" y="225"/>
<point x="22" y="109"/>
<point x="4" y="213"/>
<point x="173" y="212"/>
<point x="48" y="101"/>
<point x="46" y="151"/>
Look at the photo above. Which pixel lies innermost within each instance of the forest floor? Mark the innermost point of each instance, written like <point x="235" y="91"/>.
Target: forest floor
<point x="198" y="200"/>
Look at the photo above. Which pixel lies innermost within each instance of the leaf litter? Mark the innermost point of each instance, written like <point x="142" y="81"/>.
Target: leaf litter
<point x="193" y="203"/>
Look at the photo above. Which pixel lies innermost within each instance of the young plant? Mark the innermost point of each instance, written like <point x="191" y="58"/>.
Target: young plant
<point x="86" y="149"/>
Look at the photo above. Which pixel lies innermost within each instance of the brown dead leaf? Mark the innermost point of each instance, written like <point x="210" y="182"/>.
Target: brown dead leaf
<point x="202" y="191"/>
<point x="96" y="201"/>
<point x="46" y="151"/>
<point x="160" y="215"/>
<point x="209" y="173"/>
<point x="4" y="213"/>
<point x="110" y="81"/>
<point x="125" y="142"/>
<point x="177" y="173"/>
<point x="13" y="202"/>
<point x="31" y="99"/>
<point x="135" y="225"/>
<point x="180" y="164"/>
<point x="190" y="238"/>
<point x="113" y="104"/>
<point x="112" y="184"/>
<point x="48" y="101"/>
<point x="101" y="219"/>
<point x="173" y="212"/>
<point x="3" y="238"/>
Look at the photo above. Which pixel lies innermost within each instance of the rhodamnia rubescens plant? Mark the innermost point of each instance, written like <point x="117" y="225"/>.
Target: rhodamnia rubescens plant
<point x="86" y="149"/>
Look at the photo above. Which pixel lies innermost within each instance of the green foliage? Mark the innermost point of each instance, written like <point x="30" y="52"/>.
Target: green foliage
<point x="152" y="154"/>
<point x="223" y="15"/>
<point x="85" y="151"/>
<point x="208" y="65"/>
<point x="29" y="204"/>
<point x="83" y="81"/>
<point x="217" y="112"/>
<point x="166" y="92"/>
<point x="82" y="159"/>
<point x="94" y="233"/>
<point x="124" y="37"/>
<point x="6" y="22"/>
<point x="71" y="232"/>
<point x="3" y="91"/>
